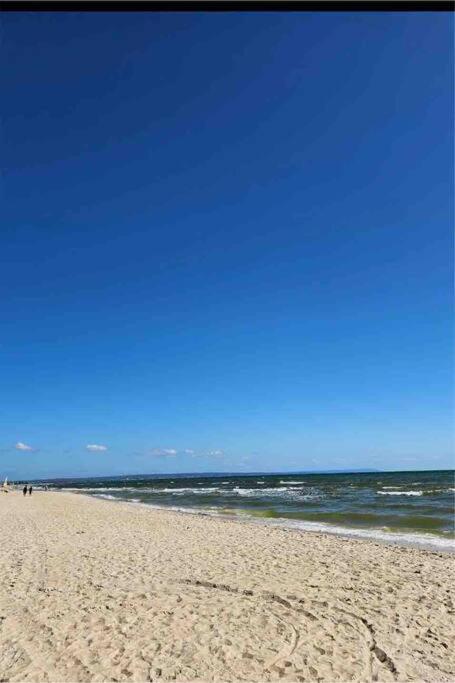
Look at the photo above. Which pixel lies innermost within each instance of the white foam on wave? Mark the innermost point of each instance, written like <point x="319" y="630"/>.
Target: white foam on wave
<point x="137" y="489"/>
<point x="289" y="481"/>
<point x="400" y="493"/>
<point x="397" y="538"/>
<point x="269" y="489"/>
<point x="421" y="540"/>
<point x="277" y="492"/>
<point x="208" y="489"/>
<point x="438" y="490"/>
<point x="254" y="492"/>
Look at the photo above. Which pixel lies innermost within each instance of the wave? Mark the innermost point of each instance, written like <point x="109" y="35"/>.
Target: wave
<point x="293" y="491"/>
<point x="289" y="481"/>
<point x="398" y="538"/>
<point x="278" y="492"/>
<point x="269" y="489"/>
<point x="140" y="489"/>
<point x="438" y="490"/>
<point x="189" y="489"/>
<point x="400" y="493"/>
<point x="421" y="540"/>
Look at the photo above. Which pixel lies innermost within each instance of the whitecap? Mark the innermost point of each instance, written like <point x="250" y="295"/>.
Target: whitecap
<point x="255" y="492"/>
<point x="290" y="481"/>
<point x="209" y="489"/>
<point x="277" y="491"/>
<point x="400" y="493"/>
<point x="410" y="539"/>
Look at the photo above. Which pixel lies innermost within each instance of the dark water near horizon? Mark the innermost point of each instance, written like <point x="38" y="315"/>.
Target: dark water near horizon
<point x="416" y="507"/>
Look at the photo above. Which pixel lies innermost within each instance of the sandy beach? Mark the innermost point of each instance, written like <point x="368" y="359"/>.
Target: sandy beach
<point x="93" y="590"/>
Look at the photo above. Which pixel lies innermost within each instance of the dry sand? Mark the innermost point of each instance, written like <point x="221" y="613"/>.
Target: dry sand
<point x="93" y="590"/>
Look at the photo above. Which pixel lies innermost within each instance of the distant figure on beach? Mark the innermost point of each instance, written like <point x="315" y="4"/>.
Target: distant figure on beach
<point x="24" y="490"/>
<point x="29" y="490"/>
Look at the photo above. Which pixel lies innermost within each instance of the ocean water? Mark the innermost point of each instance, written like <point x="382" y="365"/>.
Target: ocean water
<point x="401" y="507"/>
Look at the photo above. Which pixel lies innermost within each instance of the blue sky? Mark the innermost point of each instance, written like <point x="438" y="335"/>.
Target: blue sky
<point x="226" y="242"/>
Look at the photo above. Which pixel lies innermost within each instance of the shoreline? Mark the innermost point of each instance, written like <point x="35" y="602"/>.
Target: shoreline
<point x="97" y="592"/>
<point x="427" y="542"/>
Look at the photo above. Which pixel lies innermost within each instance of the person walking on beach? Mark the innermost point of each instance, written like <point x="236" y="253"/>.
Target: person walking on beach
<point x="24" y="490"/>
<point x="29" y="490"/>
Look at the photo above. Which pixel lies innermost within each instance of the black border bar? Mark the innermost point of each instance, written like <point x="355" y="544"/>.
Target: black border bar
<point x="227" y="6"/>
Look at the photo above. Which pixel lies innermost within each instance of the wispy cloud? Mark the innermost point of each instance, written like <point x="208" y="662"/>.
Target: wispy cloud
<point x="96" y="448"/>
<point x="162" y="452"/>
<point x="22" y="447"/>
<point x="216" y="453"/>
<point x="172" y="452"/>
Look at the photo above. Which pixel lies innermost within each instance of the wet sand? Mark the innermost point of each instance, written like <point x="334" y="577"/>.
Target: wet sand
<point x="94" y="590"/>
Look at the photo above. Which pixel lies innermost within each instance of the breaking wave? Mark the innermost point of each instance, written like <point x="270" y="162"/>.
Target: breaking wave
<point x="400" y="493"/>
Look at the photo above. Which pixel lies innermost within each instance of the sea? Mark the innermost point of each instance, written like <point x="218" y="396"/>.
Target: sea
<point x="415" y="508"/>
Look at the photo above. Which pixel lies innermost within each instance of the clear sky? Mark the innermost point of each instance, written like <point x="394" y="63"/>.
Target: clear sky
<point x="226" y="242"/>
